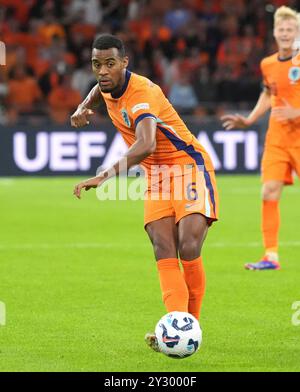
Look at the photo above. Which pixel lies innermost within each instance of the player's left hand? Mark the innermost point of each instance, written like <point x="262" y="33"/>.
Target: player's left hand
<point x="87" y="185"/>
<point x="286" y="112"/>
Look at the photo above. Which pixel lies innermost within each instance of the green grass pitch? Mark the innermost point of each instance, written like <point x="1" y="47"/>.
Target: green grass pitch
<point x="80" y="284"/>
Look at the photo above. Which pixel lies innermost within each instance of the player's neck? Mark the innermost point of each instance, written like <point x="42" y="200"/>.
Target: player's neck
<point x="285" y="53"/>
<point x="122" y="86"/>
<point x="122" y="82"/>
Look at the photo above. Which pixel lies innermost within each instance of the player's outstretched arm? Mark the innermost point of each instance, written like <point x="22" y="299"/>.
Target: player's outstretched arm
<point x="144" y="145"/>
<point x="86" y="108"/>
<point x="236" y="121"/>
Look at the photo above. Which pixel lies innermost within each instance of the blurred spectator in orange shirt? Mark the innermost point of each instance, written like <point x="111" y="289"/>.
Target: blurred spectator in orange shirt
<point x="49" y="28"/>
<point x="23" y="91"/>
<point x="231" y="50"/>
<point x="63" y="100"/>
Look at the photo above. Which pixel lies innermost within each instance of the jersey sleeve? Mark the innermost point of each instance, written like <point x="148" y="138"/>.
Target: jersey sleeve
<point x="265" y="83"/>
<point x="142" y="104"/>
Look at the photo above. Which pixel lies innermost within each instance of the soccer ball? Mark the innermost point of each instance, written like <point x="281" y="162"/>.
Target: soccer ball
<point x="178" y="334"/>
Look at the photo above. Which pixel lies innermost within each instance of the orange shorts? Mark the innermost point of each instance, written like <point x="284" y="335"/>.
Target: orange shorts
<point x="182" y="191"/>
<point x="278" y="163"/>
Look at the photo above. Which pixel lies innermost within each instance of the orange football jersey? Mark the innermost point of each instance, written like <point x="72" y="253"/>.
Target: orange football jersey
<point x="140" y="98"/>
<point x="282" y="79"/>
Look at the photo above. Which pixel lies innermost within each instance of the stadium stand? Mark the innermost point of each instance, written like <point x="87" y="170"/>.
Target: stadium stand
<point x="205" y="53"/>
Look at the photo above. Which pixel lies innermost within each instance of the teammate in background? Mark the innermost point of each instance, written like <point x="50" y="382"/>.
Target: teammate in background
<point x="281" y="94"/>
<point x="156" y="135"/>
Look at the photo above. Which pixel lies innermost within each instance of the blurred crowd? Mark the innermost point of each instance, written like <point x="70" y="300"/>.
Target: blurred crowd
<point x="205" y="54"/>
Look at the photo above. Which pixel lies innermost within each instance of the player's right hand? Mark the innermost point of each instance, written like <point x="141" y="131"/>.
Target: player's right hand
<point x="80" y="117"/>
<point x="87" y="185"/>
<point x="234" y="121"/>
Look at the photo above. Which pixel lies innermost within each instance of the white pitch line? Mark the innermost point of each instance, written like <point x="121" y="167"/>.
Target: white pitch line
<point x="91" y="245"/>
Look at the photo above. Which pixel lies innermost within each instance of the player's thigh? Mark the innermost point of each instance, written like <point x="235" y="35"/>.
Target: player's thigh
<point x="276" y="165"/>
<point x="159" y="219"/>
<point x="164" y="237"/>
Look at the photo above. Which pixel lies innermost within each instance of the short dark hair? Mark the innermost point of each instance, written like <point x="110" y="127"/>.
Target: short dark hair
<point x="108" y="41"/>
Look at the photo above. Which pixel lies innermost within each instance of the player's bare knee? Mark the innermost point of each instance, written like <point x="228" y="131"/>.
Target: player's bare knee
<point x="189" y="249"/>
<point x="271" y="192"/>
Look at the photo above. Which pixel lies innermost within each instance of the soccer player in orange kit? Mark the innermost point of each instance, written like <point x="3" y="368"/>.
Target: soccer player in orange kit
<point x="281" y="94"/>
<point x="156" y="137"/>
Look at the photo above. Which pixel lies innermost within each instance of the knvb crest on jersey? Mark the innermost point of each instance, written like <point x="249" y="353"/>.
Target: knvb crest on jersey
<point x="125" y="117"/>
<point x="294" y="74"/>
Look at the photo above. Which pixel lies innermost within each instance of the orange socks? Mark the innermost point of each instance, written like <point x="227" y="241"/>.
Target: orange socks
<point x="174" y="289"/>
<point x="194" y="276"/>
<point x="182" y="292"/>
<point x="270" y="224"/>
